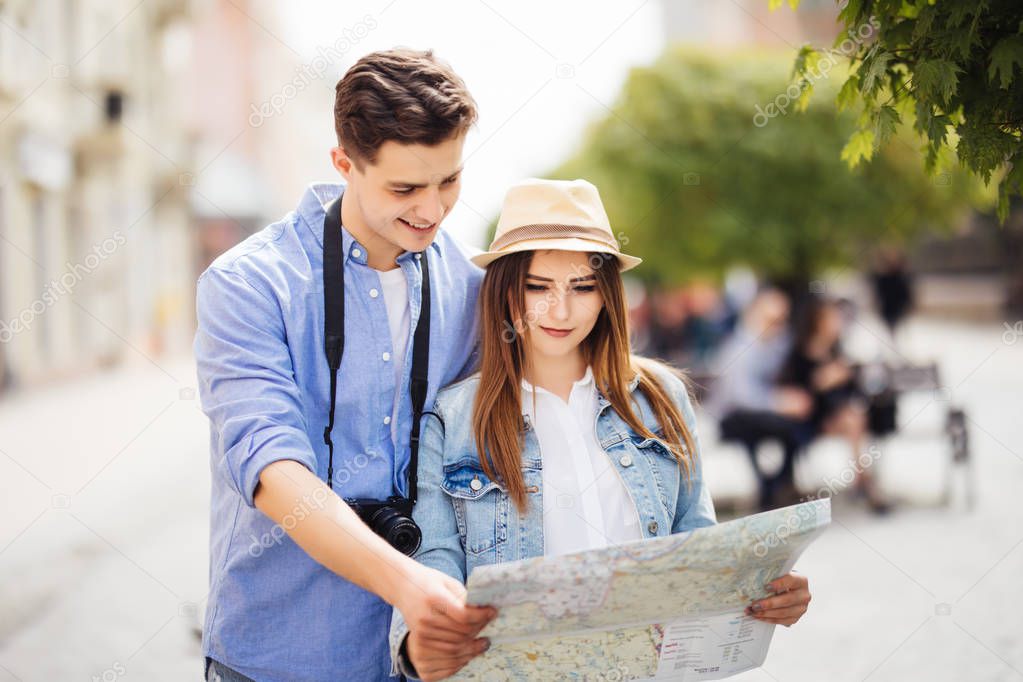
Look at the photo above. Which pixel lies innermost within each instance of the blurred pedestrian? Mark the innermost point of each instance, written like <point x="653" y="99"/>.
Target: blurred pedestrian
<point x="893" y="287"/>
<point x="817" y="366"/>
<point x="751" y="406"/>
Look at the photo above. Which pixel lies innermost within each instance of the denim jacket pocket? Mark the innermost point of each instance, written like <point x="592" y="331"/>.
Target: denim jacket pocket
<point x="480" y="504"/>
<point x="664" y="468"/>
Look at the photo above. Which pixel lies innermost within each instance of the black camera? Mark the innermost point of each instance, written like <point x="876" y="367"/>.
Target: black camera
<point x="391" y="519"/>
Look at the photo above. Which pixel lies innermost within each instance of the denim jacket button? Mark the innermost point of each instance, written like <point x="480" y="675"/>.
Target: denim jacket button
<point x="652" y="527"/>
<point x="475" y="484"/>
<point x="625" y="461"/>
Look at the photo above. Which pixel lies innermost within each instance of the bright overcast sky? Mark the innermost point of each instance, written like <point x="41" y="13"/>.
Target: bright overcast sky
<point x="508" y="54"/>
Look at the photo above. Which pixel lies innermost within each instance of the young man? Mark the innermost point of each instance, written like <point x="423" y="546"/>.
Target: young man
<point x="300" y="587"/>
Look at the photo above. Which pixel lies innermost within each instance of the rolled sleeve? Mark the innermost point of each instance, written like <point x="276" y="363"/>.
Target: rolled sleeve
<point x="246" y="382"/>
<point x="400" y="663"/>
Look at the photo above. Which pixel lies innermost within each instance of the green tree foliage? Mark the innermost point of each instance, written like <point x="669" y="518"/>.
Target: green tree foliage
<point x="701" y="169"/>
<point x="951" y="68"/>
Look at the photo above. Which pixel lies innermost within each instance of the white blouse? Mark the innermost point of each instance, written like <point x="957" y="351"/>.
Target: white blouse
<point x="585" y="502"/>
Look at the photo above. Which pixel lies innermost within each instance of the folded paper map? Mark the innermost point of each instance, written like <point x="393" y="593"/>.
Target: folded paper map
<point x="667" y="608"/>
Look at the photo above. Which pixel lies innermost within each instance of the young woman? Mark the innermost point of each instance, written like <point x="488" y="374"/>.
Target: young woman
<point x="817" y="365"/>
<point x="586" y="444"/>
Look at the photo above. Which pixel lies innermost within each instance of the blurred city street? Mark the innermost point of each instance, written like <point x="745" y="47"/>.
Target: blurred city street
<point x="105" y="536"/>
<point x="106" y="527"/>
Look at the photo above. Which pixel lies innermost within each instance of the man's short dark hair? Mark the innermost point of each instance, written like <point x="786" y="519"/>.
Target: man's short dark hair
<point x="408" y="96"/>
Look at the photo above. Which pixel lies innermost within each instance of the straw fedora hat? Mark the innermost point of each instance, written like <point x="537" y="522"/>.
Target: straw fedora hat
<point x="565" y="215"/>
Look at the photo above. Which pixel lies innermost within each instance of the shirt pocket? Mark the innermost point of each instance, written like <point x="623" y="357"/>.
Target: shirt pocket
<point x="480" y="504"/>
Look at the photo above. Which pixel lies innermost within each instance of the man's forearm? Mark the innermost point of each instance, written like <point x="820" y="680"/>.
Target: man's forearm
<point x="330" y="532"/>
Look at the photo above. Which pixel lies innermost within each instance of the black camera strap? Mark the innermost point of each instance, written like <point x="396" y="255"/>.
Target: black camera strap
<point x="334" y="340"/>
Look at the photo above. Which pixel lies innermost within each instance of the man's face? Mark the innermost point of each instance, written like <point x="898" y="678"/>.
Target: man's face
<point x="406" y="193"/>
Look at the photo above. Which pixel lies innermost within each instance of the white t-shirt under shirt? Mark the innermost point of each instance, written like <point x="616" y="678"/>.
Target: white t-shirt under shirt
<point x="399" y="320"/>
<point x="585" y="502"/>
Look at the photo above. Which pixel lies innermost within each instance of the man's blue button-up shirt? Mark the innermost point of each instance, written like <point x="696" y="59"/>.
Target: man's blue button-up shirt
<point x="274" y="613"/>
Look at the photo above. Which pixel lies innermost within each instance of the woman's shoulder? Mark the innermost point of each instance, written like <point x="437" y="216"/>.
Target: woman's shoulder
<point x="456" y="396"/>
<point x="452" y="411"/>
<point x="672" y="380"/>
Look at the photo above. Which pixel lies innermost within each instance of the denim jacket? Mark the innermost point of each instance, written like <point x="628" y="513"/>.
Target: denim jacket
<point x="468" y="519"/>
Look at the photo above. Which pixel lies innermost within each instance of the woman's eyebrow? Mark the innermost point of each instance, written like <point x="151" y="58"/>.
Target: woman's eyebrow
<point x="573" y="280"/>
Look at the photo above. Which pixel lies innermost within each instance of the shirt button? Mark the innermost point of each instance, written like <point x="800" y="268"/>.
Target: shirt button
<point x="625" y="461"/>
<point x="356" y="253"/>
<point x="373" y="293"/>
<point x="386" y="356"/>
<point x="418" y="256"/>
<point x="387" y="420"/>
<point x="475" y="484"/>
<point x="652" y="527"/>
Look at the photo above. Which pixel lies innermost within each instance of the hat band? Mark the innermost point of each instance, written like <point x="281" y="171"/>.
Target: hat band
<point x="552" y="231"/>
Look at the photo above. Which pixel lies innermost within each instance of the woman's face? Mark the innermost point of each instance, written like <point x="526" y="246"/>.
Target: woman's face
<point x="562" y="302"/>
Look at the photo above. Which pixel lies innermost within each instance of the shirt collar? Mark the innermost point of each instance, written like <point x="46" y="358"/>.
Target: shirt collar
<point x="584" y="382"/>
<point x="312" y="210"/>
<point x="602" y="401"/>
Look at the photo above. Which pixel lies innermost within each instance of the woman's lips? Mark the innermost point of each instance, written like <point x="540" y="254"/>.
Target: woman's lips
<point x="556" y="333"/>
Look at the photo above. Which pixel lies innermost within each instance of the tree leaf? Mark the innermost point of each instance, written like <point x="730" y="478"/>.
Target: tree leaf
<point x="860" y="147"/>
<point x="848" y="94"/>
<point x="936" y="79"/>
<point x="1005" y="56"/>
<point x="878" y="65"/>
<point x="885" y="120"/>
<point x="806" y="59"/>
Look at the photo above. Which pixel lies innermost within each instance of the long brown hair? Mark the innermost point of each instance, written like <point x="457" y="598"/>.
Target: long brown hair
<point x="497" y="410"/>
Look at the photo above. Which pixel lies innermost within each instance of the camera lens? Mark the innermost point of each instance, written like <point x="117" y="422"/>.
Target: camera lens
<point x="400" y="531"/>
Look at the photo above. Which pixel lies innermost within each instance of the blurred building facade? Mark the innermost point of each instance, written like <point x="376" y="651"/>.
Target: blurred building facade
<point x="232" y="42"/>
<point x="129" y="159"/>
<point x="96" y="259"/>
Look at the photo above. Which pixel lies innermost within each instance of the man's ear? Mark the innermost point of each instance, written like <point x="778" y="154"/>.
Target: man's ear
<point x="342" y="162"/>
